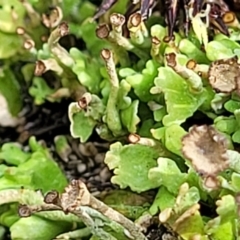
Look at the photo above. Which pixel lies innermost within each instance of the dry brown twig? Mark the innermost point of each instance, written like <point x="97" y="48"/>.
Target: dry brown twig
<point x="77" y="194"/>
<point x="77" y="200"/>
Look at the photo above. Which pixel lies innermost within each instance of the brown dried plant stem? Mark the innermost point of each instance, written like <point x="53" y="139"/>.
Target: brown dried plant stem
<point x="77" y="194"/>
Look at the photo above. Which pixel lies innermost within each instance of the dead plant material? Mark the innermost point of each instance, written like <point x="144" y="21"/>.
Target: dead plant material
<point x="76" y="195"/>
<point x="224" y="75"/>
<point x="206" y="149"/>
<point x="52" y="19"/>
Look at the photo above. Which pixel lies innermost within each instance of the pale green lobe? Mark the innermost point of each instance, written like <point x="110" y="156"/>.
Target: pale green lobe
<point x="37" y="228"/>
<point x="131" y="164"/>
<point x="216" y="51"/>
<point x="8" y="23"/>
<point x="189" y="49"/>
<point x="12" y="154"/>
<point x="81" y="125"/>
<point x="173" y="138"/>
<point x="10" y="89"/>
<point x="167" y="172"/>
<point x="160" y="202"/>
<point x="10" y="44"/>
<point x="130" y="118"/>
<point x="181" y="102"/>
<point x="142" y="83"/>
<point x="40" y="90"/>
<point x="87" y="70"/>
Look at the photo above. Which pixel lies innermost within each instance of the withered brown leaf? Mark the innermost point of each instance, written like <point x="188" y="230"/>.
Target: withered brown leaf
<point x="206" y="149"/>
<point x="224" y="75"/>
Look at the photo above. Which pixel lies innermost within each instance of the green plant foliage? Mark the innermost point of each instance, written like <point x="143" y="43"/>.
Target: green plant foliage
<point x="167" y="171"/>
<point x="142" y="83"/>
<point x="170" y="109"/>
<point x="40" y="90"/>
<point x="181" y="103"/>
<point x="10" y="89"/>
<point x="34" y="170"/>
<point x="143" y="158"/>
<point x="128" y="203"/>
<point x="13" y="154"/>
<point x="84" y="121"/>
<point x="45" y="229"/>
<point x="90" y="78"/>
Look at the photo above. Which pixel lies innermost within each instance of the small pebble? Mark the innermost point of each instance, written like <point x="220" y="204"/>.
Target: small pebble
<point x="72" y="157"/>
<point x="99" y="158"/>
<point x="81" y="167"/>
<point x="87" y="175"/>
<point x="73" y="164"/>
<point x="102" y="145"/>
<point x="89" y="185"/>
<point x="90" y="163"/>
<point x="97" y="178"/>
<point x="88" y="149"/>
<point x="97" y="170"/>
<point x="105" y="174"/>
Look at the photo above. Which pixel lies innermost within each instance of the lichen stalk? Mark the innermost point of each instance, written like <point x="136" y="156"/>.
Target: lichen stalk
<point x="112" y="116"/>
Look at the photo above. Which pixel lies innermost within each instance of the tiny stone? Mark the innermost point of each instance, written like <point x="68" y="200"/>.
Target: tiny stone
<point x="105" y="174"/>
<point x="102" y="145"/>
<point x="81" y="167"/>
<point x="99" y="158"/>
<point x="168" y="236"/>
<point x="103" y="165"/>
<point x="90" y="163"/>
<point x="97" y="178"/>
<point x="73" y="164"/>
<point x="88" y="149"/>
<point x="91" y="179"/>
<point x="87" y="175"/>
<point x="72" y="157"/>
<point x="89" y="185"/>
<point x="97" y="170"/>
